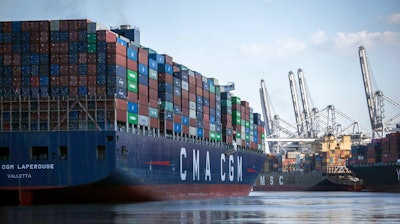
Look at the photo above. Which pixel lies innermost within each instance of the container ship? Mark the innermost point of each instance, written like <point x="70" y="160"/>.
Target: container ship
<point x="87" y="114"/>
<point x="378" y="163"/>
<point x="321" y="169"/>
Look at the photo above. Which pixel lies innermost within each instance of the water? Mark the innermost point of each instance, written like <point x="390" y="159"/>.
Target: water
<point x="259" y="207"/>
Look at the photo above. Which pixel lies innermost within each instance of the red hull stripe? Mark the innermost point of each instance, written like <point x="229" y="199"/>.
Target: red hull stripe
<point x="250" y="170"/>
<point x="161" y="163"/>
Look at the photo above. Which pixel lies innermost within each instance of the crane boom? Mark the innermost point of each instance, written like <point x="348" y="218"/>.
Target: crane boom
<point x="374" y="116"/>
<point x="293" y="90"/>
<point x="266" y="108"/>
<point x="305" y="102"/>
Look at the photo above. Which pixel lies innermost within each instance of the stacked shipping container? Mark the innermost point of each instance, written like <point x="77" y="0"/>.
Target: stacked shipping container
<point x="73" y="75"/>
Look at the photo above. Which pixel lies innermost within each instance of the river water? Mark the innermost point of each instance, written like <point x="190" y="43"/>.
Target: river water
<point x="259" y="207"/>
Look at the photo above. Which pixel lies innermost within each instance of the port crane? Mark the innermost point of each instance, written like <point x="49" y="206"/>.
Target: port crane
<point x="375" y="99"/>
<point x="306" y="125"/>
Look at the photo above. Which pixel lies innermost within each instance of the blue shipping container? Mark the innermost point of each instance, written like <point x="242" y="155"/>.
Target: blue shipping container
<point x="153" y="64"/>
<point x="143" y="79"/>
<point x="185" y="120"/>
<point x="177" y="127"/>
<point x="132" y="107"/>
<point x="132" y="54"/>
<point x="165" y="68"/>
<point x="143" y="69"/>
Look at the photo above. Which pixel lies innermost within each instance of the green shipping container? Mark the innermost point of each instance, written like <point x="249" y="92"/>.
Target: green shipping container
<point x="132" y="118"/>
<point x="132" y="86"/>
<point x="153" y="112"/>
<point x="219" y="137"/>
<point x="132" y="75"/>
<point x="238" y="135"/>
<point x="226" y="103"/>
<point x="91" y="38"/>
<point x="213" y="136"/>
<point x="236" y="100"/>
<point x="153" y="74"/>
<point x="91" y="48"/>
<point x="168" y="106"/>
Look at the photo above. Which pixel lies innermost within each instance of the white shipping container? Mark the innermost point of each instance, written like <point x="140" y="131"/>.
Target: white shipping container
<point x="192" y="114"/>
<point x="185" y="85"/>
<point x="212" y="127"/>
<point x="192" y="131"/>
<point x="192" y="105"/>
<point x="54" y="25"/>
<point x="144" y="120"/>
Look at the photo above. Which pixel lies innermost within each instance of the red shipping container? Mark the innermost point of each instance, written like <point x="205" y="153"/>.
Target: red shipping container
<point x="91" y="58"/>
<point x="91" y="90"/>
<point x="143" y="58"/>
<point x="143" y="90"/>
<point x="153" y="93"/>
<point x="63" y="59"/>
<point x="54" y="80"/>
<point x="185" y="129"/>
<point x="177" y="100"/>
<point x="64" y="47"/>
<point x="120" y="104"/>
<point x="82" y="58"/>
<point x="168" y="59"/>
<point x="107" y="36"/>
<point x="192" y="97"/>
<point x="35" y="37"/>
<point x="82" y="80"/>
<point x="7" y="27"/>
<point x="143" y="98"/>
<point x="73" y="69"/>
<point x="16" y="59"/>
<point x="55" y="59"/>
<point x="7" y="59"/>
<point x="64" y="80"/>
<point x="25" y="26"/>
<point x="116" y="48"/>
<point x="132" y="65"/>
<point x="44" y="37"/>
<point x="192" y="81"/>
<point x="73" y="90"/>
<point x="132" y="97"/>
<point x="121" y="115"/>
<point x="168" y="125"/>
<point x="73" y="36"/>
<point x="185" y="94"/>
<point x="73" y="80"/>
<point x="165" y="77"/>
<point x="63" y="25"/>
<point x="154" y="122"/>
<point x="44" y="48"/>
<point x="206" y="110"/>
<point x="16" y="71"/>
<point x="206" y="94"/>
<point x="192" y="122"/>
<point x="91" y="69"/>
<point x="8" y="49"/>
<point x="64" y="70"/>
<point x="143" y="109"/>
<point x="101" y="90"/>
<point x="91" y="79"/>
<point x="199" y="91"/>
<point x="177" y="118"/>
<point x="153" y="84"/>
<point x="153" y="103"/>
<point x="44" y="25"/>
<point x="185" y="111"/>
<point x="116" y="59"/>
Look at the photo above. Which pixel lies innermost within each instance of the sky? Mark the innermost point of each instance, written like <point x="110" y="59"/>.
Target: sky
<point x="245" y="41"/>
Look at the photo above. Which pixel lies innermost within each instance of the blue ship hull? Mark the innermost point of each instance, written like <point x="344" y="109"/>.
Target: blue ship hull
<point x="103" y="166"/>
